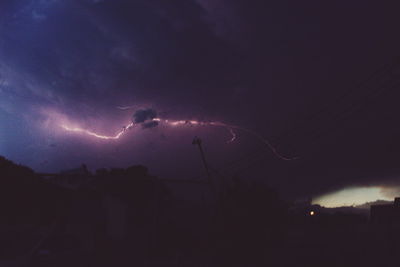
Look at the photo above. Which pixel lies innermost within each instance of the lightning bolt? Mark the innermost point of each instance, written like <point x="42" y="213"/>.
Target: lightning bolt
<point x="125" y="107"/>
<point x="90" y="133"/>
<point x="177" y="123"/>
<point x="233" y="135"/>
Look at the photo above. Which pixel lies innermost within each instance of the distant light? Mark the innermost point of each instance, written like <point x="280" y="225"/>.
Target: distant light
<point x="312" y="213"/>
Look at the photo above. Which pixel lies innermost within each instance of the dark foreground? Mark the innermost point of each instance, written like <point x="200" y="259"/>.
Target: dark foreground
<point x="126" y="217"/>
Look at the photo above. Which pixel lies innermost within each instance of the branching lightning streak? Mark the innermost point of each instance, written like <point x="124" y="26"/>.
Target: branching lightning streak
<point x="176" y="123"/>
<point x="262" y="139"/>
<point x="268" y="144"/>
<point x="84" y="131"/>
<point x="233" y="136"/>
<point x="125" y="107"/>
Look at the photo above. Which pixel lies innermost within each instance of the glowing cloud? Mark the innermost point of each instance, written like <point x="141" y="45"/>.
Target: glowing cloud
<point x="351" y="196"/>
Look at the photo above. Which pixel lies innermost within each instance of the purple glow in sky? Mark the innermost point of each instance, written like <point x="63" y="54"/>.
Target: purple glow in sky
<point x="234" y="73"/>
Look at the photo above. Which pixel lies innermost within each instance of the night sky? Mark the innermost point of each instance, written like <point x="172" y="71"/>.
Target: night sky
<point x="320" y="81"/>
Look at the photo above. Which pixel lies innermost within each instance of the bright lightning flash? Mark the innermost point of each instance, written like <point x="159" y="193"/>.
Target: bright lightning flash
<point x="87" y="132"/>
<point x="176" y="123"/>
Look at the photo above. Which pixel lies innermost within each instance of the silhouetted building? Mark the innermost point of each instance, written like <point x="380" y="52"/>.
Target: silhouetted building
<point x="386" y="214"/>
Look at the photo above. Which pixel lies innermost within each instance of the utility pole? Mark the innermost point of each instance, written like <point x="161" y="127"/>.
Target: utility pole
<point x="216" y="210"/>
<point x="197" y="141"/>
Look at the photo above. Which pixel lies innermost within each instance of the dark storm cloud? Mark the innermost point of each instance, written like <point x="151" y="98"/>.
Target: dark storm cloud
<point x="143" y="115"/>
<point x="263" y="65"/>
<point x="82" y="49"/>
<point x="150" y="124"/>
